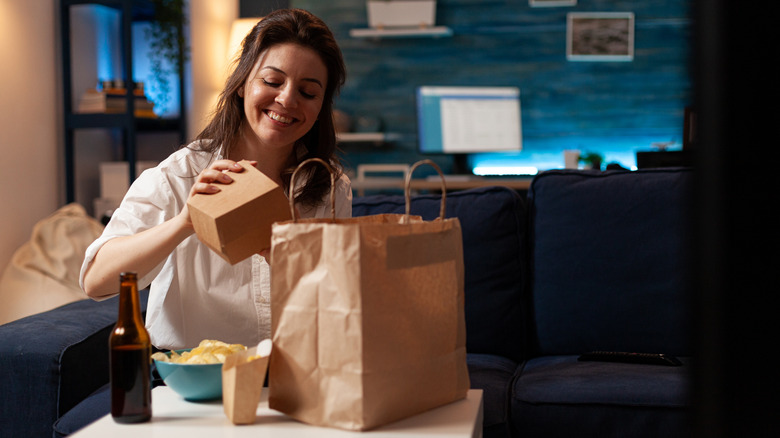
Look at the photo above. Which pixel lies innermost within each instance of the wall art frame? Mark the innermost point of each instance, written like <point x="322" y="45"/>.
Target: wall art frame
<point x="600" y="36"/>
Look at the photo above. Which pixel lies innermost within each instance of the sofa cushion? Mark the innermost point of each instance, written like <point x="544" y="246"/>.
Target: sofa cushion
<point x="493" y="229"/>
<point x="560" y="396"/>
<point x="493" y="375"/>
<point x="92" y="408"/>
<point x="608" y="262"/>
<point x="86" y="412"/>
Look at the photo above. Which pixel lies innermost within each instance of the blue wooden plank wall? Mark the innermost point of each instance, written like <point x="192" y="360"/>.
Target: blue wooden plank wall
<point x="614" y="108"/>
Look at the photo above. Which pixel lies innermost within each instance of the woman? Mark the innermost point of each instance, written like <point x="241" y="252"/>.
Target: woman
<point x="276" y="111"/>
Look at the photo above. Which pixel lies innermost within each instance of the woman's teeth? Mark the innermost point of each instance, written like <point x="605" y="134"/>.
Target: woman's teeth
<point x="279" y="118"/>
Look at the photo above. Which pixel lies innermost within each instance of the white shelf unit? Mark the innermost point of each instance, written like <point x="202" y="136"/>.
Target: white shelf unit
<point x="401" y="32"/>
<point x="365" y="137"/>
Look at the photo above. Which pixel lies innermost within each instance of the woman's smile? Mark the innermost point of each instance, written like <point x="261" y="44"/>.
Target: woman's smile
<point x="273" y="115"/>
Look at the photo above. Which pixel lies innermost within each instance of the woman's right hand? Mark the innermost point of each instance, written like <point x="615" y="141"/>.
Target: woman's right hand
<point x="208" y="181"/>
<point x="217" y="172"/>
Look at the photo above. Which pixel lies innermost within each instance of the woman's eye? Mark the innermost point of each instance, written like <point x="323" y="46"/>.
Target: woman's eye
<point x="276" y="84"/>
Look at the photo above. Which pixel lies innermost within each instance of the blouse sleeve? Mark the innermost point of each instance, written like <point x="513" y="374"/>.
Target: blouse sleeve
<point x="150" y="201"/>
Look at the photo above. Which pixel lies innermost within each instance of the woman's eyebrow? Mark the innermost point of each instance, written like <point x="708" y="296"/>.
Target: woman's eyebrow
<point x="276" y="69"/>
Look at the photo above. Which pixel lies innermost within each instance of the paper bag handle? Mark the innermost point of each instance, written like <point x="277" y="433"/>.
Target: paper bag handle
<point x="291" y="197"/>
<point x="408" y="188"/>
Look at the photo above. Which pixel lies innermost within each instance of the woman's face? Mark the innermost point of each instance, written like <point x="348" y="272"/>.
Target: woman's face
<point x="283" y="95"/>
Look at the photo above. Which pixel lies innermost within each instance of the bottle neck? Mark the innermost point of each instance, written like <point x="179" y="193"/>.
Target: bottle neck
<point x="129" y="303"/>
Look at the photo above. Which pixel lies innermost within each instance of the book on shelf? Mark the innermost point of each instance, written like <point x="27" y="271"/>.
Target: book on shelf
<point x="114" y="101"/>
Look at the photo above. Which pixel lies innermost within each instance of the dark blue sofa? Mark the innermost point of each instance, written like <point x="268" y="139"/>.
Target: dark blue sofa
<point x="586" y="261"/>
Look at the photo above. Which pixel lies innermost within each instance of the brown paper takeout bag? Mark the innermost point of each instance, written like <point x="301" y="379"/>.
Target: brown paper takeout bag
<point x="243" y="376"/>
<point x="367" y="317"/>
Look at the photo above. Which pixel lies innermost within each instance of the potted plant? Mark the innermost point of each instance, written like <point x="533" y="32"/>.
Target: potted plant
<point x="592" y="160"/>
<point x="168" y="49"/>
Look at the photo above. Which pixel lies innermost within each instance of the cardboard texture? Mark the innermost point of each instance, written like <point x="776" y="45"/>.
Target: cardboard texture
<point x="236" y="221"/>
<point x="243" y="375"/>
<point x="367" y="319"/>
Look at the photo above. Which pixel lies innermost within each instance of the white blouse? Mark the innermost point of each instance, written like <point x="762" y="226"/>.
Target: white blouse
<point x="195" y="294"/>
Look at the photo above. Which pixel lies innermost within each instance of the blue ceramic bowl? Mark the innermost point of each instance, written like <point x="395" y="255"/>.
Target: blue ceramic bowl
<point x="192" y="381"/>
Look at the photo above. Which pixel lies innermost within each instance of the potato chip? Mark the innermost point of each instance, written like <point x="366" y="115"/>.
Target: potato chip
<point x="207" y="352"/>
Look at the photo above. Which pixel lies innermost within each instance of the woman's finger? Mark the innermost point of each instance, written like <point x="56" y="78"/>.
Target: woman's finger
<point x="214" y="175"/>
<point x="203" y="187"/>
<point x="225" y="165"/>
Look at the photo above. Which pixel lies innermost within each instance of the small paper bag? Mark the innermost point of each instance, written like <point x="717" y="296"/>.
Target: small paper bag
<point x="367" y="318"/>
<point x="243" y="375"/>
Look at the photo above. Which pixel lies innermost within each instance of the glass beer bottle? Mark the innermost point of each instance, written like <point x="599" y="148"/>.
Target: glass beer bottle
<point x="130" y="358"/>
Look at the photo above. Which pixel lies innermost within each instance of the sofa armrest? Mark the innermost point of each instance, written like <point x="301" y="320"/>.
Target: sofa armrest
<point x="52" y="360"/>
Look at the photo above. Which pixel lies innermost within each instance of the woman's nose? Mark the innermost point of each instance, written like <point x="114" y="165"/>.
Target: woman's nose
<point x="286" y="97"/>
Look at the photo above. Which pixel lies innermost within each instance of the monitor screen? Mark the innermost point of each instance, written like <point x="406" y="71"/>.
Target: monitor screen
<point x="463" y="120"/>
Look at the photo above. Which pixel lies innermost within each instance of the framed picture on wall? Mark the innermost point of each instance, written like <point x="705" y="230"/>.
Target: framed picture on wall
<point x="600" y="36"/>
<point x="550" y="3"/>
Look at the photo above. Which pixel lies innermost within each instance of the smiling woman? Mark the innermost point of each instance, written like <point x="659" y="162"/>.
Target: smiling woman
<point x="314" y="45"/>
<point x="275" y="111"/>
<point x="282" y="101"/>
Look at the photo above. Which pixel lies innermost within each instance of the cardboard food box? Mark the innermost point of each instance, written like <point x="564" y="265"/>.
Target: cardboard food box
<point x="236" y="221"/>
<point x="243" y="375"/>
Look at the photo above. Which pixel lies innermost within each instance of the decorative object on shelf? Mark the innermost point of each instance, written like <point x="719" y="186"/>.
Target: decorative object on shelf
<point x="600" y="36"/>
<point x="401" y="18"/>
<point x="401" y="13"/>
<point x="112" y="99"/>
<point x="168" y="48"/>
<point x="551" y="3"/>
<point x="592" y="160"/>
<point x="661" y="145"/>
<point x="571" y="158"/>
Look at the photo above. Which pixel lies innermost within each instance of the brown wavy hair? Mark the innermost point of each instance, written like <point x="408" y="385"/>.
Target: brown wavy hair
<point x="284" y="26"/>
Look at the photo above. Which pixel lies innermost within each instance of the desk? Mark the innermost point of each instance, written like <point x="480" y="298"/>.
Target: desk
<point x="172" y="416"/>
<point x="453" y="183"/>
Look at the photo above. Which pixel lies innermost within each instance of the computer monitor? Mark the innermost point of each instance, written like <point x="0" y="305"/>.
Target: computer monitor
<point x="468" y="120"/>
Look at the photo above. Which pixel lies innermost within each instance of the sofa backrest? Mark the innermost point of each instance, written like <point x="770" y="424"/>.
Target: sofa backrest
<point x="608" y="261"/>
<point x="492" y="222"/>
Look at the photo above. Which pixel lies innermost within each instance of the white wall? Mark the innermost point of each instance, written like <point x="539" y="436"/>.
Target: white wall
<point x="31" y="175"/>
<point x="30" y="171"/>
<point x="210" y="22"/>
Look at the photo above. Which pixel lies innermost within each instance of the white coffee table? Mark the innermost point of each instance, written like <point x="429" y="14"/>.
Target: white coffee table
<point x="173" y="416"/>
